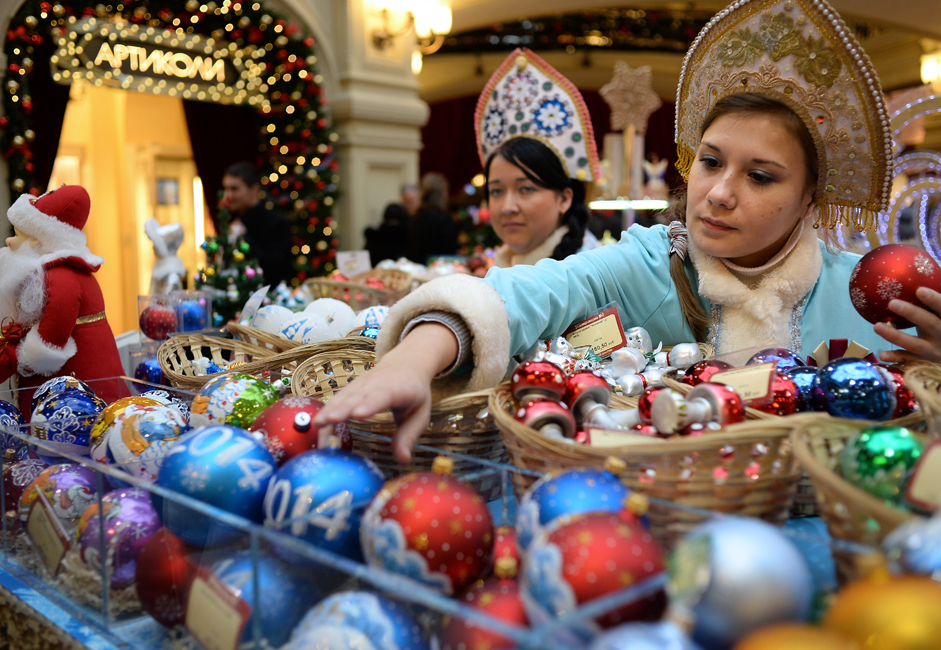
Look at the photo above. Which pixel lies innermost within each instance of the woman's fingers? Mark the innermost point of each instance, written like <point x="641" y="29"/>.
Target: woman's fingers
<point x="409" y="430"/>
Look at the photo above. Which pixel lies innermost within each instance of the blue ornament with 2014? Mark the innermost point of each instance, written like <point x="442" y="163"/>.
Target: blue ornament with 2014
<point x="221" y="465"/>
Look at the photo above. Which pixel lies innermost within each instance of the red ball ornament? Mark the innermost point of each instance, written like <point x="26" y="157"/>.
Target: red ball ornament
<point x="158" y="322"/>
<point x="904" y="397"/>
<point x="287" y="426"/>
<point x="500" y="599"/>
<point x="891" y="271"/>
<point x="785" y="397"/>
<point x="163" y="576"/>
<point x="582" y="557"/>
<point x="533" y="379"/>
<point x="703" y="370"/>
<point x="645" y="403"/>
<point x="430" y="527"/>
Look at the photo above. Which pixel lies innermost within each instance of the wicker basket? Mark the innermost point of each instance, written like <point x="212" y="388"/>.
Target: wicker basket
<point x="745" y="469"/>
<point x="852" y="515"/>
<point x="924" y="380"/>
<point x="357" y="294"/>
<point x="459" y="425"/>
<point x="177" y="355"/>
<point x="261" y="338"/>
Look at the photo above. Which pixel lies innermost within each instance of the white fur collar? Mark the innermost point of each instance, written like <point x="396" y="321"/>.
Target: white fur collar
<point x="504" y="257"/>
<point x="761" y="316"/>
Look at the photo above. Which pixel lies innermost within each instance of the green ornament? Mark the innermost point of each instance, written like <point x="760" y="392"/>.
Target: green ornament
<point x="213" y="247"/>
<point x="244" y="247"/>
<point x="881" y="460"/>
<point x="235" y="399"/>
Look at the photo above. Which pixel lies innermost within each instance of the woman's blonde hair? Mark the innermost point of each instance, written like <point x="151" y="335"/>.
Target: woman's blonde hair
<point x="743" y="104"/>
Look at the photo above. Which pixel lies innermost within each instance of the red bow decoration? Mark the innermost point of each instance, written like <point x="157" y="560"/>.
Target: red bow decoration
<point x="836" y="348"/>
<point x="10" y="335"/>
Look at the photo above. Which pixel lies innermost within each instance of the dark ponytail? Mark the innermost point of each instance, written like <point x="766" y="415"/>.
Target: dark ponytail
<point x="541" y="166"/>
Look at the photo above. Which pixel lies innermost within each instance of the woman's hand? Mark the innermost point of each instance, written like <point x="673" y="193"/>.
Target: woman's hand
<point x="927" y="320"/>
<point x="400" y="382"/>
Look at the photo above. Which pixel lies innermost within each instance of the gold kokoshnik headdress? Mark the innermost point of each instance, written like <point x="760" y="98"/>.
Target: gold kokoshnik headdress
<point x="528" y="97"/>
<point x="801" y="53"/>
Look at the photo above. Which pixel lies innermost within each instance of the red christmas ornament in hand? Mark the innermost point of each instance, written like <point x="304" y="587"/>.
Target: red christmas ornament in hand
<point x="163" y="577"/>
<point x="500" y="599"/>
<point x="287" y="426"/>
<point x="158" y="322"/>
<point x="430" y="527"/>
<point x="891" y="271"/>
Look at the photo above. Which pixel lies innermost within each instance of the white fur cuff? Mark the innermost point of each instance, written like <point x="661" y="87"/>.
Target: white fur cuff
<point x="37" y="357"/>
<point x="477" y="304"/>
<point x="52" y="234"/>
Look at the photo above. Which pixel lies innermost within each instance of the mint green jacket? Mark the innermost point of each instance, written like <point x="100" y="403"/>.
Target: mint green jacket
<point x="544" y="299"/>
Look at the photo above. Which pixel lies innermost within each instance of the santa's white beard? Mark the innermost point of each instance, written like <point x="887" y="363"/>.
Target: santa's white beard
<point x="21" y="281"/>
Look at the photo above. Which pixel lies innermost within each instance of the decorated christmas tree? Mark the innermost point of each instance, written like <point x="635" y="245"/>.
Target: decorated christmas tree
<point x="231" y="273"/>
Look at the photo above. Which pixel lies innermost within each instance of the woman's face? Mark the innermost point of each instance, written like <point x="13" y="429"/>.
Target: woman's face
<point x="523" y="214"/>
<point x="748" y="188"/>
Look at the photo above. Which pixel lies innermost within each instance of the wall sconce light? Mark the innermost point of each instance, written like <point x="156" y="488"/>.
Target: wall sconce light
<point x="931" y="68"/>
<point x="430" y="19"/>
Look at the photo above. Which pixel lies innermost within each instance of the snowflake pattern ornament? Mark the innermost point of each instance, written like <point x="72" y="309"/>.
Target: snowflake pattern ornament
<point x="893" y="271"/>
<point x="528" y="97"/>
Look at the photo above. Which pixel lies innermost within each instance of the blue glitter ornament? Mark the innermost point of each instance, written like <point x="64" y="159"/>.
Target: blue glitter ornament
<point x="786" y="359"/>
<point x="10" y="417"/>
<point x="64" y="419"/>
<point x="149" y="370"/>
<point x="320" y="496"/>
<point x="664" y="635"/>
<point x="285" y="595"/>
<point x="56" y="385"/>
<point x="571" y="492"/>
<point x="222" y="465"/>
<point x="738" y="574"/>
<point x="358" y="619"/>
<point x="217" y="320"/>
<point x="854" y="388"/>
<point x="368" y="332"/>
<point x="803" y="377"/>
<point x="191" y="315"/>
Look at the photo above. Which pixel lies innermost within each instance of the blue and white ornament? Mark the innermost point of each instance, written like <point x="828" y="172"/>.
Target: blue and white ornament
<point x="358" y="619"/>
<point x="11" y="418"/>
<point x="320" y="497"/>
<point x="734" y="575"/>
<point x="137" y="442"/>
<point x="55" y="385"/>
<point x="371" y="316"/>
<point x="169" y="399"/>
<point x="570" y="492"/>
<point x="223" y="466"/>
<point x="307" y="329"/>
<point x="271" y="318"/>
<point x="64" y="420"/>
<point x="855" y="388"/>
<point x="338" y="316"/>
<point x="285" y="595"/>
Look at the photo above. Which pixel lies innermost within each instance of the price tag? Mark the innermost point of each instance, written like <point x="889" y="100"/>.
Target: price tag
<point x="47" y="534"/>
<point x="752" y="383"/>
<point x="215" y="615"/>
<point x="353" y="262"/>
<point x="924" y="490"/>
<point x="602" y="332"/>
<point x="614" y="438"/>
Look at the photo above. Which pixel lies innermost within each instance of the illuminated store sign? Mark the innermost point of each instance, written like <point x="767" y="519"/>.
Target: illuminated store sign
<point x="163" y="62"/>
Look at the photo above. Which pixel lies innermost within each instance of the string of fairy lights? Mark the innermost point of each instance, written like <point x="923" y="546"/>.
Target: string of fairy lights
<point x="296" y="141"/>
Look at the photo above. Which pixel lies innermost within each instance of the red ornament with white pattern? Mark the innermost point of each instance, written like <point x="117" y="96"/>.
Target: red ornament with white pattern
<point x="287" y="426"/>
<point x="582" y="557"/>
<point x="431" y="528"/>
<point x="888" y="272"/>
<point x="500" y="599"/>
<point x="158" y="322"/>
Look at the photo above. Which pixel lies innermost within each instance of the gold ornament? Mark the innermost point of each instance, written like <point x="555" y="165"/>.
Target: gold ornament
<point x="18" y="140"/>
<point x="19" y="184"/>
<point x="30" y="134"/>
<point x="210" y="272"/>
<point x="238" y="256"/>
<point x="31" y="22"/>
<point x="900" y="612"/>
<point x="795" y="636"/>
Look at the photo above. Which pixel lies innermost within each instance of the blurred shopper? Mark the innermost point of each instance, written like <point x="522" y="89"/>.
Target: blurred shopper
<point x="432" y="232"/>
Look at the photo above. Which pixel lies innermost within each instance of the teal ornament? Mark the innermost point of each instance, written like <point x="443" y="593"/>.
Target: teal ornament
<point x="880" y="460"/>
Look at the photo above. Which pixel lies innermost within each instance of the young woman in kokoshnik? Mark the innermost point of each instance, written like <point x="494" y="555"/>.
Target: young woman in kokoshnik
<point x="774" y="142"/>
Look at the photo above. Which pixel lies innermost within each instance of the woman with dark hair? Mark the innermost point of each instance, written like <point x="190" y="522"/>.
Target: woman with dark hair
<point x="781" y="128"/>
<point x="535" y="208"/>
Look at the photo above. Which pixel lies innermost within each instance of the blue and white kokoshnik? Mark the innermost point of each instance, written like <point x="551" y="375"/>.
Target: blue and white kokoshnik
<point x="360" y="620"/>
<point x="571" y="492"/>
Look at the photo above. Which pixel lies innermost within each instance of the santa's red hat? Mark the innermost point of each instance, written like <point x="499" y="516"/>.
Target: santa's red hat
<point x="56" y="218"/>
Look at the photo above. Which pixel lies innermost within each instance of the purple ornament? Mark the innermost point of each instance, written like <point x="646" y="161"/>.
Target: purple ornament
<point x="784" y="357"/>
<point x="249" y="273"/>
<point x="130" y="521"/>
<point x="68" y="488"/>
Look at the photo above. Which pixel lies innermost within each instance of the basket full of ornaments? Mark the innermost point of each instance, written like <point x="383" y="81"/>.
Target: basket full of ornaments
<point x="366" y="289"/>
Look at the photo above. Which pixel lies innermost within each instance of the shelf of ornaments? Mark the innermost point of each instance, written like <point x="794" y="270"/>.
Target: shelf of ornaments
<point x="77" y="587"/>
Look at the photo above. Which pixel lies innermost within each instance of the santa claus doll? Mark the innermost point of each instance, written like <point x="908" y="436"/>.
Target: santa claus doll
<point x="52" y="313"/>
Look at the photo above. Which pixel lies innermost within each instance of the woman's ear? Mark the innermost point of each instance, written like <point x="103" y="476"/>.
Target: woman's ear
<point x="565" y="200"/>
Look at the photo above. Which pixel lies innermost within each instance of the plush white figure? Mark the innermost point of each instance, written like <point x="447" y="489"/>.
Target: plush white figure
<point x="169" y="269"/>
<point x="271" y="318"/>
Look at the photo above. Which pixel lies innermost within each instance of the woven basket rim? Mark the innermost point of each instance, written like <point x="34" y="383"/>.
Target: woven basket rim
<point x="240" y="330"/>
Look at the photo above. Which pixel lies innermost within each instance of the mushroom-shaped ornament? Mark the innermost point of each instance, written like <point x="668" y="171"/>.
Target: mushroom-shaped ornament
<point x="549" y="418"/>
<point x="538" y="379"/>
<point x="588" y="396"/>
<point x="707" y="402"/>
